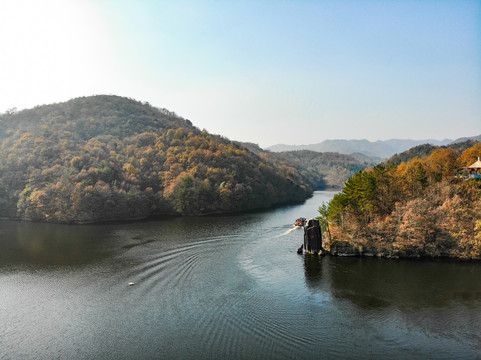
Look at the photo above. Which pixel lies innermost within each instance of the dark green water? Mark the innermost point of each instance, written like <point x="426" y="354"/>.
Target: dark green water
<point x="229" y="287"/>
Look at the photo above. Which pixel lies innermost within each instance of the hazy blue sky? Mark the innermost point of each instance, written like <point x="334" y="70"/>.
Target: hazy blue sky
<point x="294" y="72"/>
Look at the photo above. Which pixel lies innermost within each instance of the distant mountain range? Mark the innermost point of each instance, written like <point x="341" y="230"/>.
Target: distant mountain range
<point x="463" y="139"/>
<point x="380" y="148"/>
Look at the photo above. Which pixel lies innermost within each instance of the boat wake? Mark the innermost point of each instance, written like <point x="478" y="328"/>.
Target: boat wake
<point x="288" y="231"/>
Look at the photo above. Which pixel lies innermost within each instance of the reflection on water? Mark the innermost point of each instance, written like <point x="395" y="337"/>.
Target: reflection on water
<point x="47" y="244"/>
<point x="433" y="299"/>
<point x="313" y="269"/>
<point x="223" y="287"/>
<point x="409" y="285"/>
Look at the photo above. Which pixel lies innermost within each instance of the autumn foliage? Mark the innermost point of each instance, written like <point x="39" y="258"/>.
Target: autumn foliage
<point x="111" y="158"/>
<point x="418" y="208"/>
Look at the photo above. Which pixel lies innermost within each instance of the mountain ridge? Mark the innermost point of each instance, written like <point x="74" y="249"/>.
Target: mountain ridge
<point x="322" y="170"/>
<point x="379" y="148"/>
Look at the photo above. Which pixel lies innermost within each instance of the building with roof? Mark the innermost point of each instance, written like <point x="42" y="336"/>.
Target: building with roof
<point x="473" y="171"/>
<point x="476" y="165"/>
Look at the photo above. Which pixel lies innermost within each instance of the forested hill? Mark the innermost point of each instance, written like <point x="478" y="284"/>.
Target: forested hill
<point x="323" y="170"/>
<point x="428" y="149"/>
<point x="326" y="170"/>
<point x="87" y="117"/>
<point x="110" y="158"/>
<point x="417" y="208"/>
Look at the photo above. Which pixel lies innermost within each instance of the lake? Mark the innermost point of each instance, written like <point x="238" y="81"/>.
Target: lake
<point x="224" y="287"/>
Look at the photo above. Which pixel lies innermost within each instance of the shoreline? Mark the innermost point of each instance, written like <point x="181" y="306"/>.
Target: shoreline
<point x="348" y="250"/>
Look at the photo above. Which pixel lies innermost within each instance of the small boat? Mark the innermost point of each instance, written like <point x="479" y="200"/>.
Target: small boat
<point x="300" y="222"/>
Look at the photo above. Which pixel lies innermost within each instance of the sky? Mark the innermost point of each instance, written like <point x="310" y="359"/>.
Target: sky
<point x="267" y="72"/>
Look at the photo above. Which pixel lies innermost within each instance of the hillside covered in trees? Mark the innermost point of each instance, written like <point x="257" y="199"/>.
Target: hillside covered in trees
<point x="427" y="149"/>
<point x="327" y="170"/>
<point x="110" y="158"/>
<point x="416" y="208"/>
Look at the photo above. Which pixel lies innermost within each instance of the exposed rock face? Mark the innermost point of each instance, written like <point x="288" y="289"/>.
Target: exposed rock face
<point x="343" y="248"/>
<point x="371" y="252"/>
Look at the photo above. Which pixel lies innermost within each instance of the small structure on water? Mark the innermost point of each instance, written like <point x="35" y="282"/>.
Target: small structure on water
<point x="312" y="237"/>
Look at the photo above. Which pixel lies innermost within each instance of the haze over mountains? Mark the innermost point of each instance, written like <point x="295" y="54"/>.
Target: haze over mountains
<point x="381" y="148"/>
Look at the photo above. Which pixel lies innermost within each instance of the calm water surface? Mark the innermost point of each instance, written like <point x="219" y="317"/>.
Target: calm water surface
<point x="224" y="287"/>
